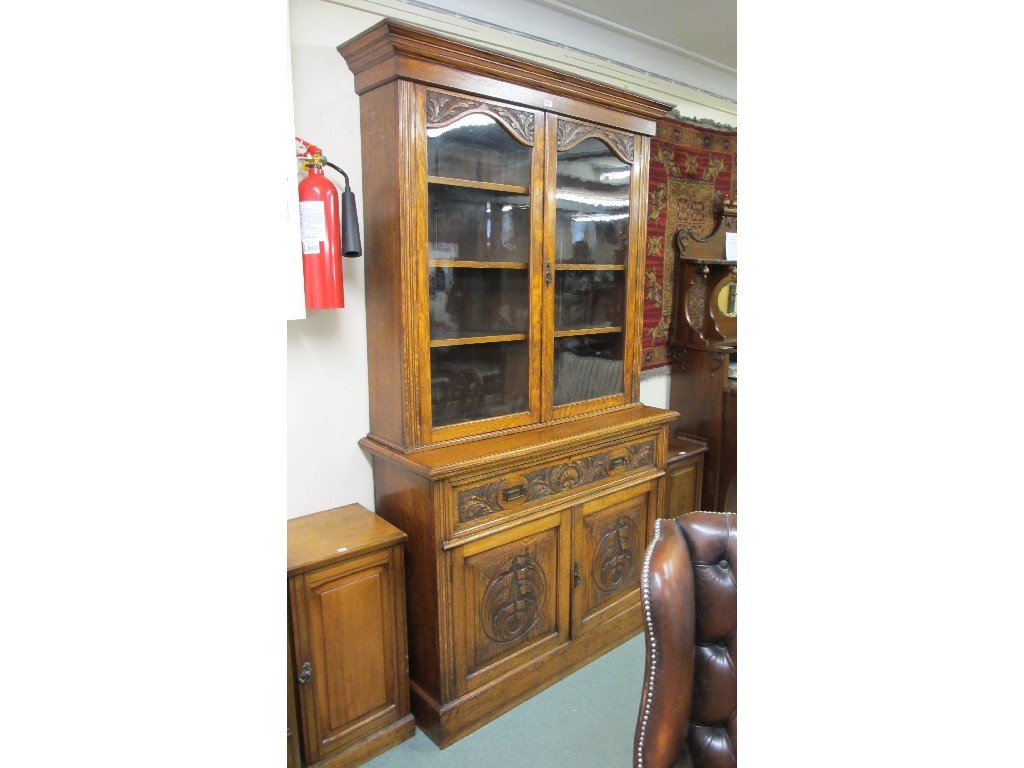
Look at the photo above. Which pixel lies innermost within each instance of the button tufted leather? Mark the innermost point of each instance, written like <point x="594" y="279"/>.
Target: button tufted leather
<point x="688" y="708"/>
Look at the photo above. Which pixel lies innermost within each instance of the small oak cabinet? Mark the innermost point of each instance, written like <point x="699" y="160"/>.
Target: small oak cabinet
<point x="504" y="220"/>
<point x="348" y="663"/>
<point x="685" y="473"/>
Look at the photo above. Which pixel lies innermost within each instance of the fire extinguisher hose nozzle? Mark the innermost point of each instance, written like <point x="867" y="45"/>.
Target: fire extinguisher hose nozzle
<point x="332" y="165"/>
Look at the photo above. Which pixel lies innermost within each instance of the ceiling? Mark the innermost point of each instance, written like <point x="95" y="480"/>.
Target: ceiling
<point x="704" y="27"/>
<point x="678" y="52"/>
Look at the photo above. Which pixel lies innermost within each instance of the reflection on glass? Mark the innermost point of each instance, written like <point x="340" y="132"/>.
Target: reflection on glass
<point x="478" y="381"/>
<point x="478" y="302"/>
<point x="477" y="224"/>
<point x="588" y="299"/>
<point x="477" y="147"/>
<point x="587" y="367"/>
<point x="592" y="194"/>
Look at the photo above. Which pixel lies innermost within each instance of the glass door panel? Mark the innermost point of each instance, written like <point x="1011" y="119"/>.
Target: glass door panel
<point x="467" y="303"/>
<point x="591" y="254"/>
<point x="592" y="219"/>
<point x="587" y="367"/>
<point x="478" y="381"/>
<point x="589" y="299"/>
<point x="467" y="224"/>
<point x="479" y="252"/>
<point x="476" y="147"/>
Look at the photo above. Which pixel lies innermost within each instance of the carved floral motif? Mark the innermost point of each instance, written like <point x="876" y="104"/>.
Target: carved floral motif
<point x="483" y="500"/>
<point x="444" y="108"/>
<point x="479" y="502"/>
<point x="695" y="303"/>
<point x="569" y="134"/>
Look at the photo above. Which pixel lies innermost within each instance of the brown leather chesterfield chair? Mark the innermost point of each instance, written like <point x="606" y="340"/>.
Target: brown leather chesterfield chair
<point x="687" y="713"/>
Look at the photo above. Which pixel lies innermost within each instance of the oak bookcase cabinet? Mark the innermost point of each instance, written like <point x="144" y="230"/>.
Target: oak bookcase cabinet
<point x="504" y="216"/>
<point x="347" y="655"/>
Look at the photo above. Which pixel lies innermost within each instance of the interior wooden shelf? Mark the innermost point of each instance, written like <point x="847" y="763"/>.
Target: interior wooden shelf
<point x="466" y="264"/>
<point x="459" y="340"/>
<point x="563" y="266"/>
<point x="588" y="331"/>
<point x="487" y="185"/>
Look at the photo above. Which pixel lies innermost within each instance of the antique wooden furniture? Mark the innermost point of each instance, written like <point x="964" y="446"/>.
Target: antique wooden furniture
<point x="504" y="223"/>
<point x="704" y="395"/>
<point x="687" y="710"/>
<point x="685" y="474"/>
<point x="348" y="664"/>
<point x="704" y="346"/>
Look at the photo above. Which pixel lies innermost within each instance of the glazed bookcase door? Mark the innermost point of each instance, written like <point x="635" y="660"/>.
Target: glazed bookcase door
<point x="590" y="267"/>
<point x="483" y="192"/>
<point x="510" y="599"/>
<point x="611" y="538"/>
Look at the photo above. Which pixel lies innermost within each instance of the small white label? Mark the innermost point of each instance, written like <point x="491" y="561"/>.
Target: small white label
<point x="312" y="224"/>
<point x="730" y="246"/>
<point x="341" y="549"/>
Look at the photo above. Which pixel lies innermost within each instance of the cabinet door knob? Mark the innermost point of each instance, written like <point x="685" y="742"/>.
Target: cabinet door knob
<point x="305" y="673"/>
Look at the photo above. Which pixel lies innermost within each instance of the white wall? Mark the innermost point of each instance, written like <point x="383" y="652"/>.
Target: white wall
<point x="328" y="408"/>
<point x="328" y="396"/>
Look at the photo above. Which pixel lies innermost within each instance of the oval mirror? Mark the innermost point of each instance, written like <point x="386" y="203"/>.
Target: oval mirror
<point x="726" y="298"/>
<point x="723" y="306"/>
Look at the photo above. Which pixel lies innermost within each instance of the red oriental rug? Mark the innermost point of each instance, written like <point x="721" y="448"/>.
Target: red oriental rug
<point x="693" y="168"/>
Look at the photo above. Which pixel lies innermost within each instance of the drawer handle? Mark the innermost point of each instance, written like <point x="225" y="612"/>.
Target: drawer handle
<point x="513" y="493"/>
<point x="618" y="461"/>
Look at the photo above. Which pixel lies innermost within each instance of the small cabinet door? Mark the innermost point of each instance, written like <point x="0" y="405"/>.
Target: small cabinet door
<point x="346" y="663"/>
<point x="608" y="552"/>
<point x="684" y="485"/>
<point x="511" y="601"/>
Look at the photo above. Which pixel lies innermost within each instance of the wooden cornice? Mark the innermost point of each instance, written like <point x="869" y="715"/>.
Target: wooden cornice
<point x="391" y="50"/>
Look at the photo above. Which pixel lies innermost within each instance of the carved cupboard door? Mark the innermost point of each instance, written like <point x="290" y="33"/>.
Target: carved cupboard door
<point x="511" y="601"/>
<point x="608" y="552"/>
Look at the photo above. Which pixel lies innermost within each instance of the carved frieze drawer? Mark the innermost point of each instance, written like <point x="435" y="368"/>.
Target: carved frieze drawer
<point x="482" y="501"/>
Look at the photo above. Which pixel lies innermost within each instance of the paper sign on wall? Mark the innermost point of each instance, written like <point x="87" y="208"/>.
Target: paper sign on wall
<point x="730" y="246"/>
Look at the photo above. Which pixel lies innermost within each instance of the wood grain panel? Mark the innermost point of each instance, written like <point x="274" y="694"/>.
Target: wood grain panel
<point x="510" y="599"/>
<point x="382" y="209"/>
<point x="404" y="500"/>
<point x="607" y="556"/>
<point x="355" y="646"/>
<point x="348" y="673"/>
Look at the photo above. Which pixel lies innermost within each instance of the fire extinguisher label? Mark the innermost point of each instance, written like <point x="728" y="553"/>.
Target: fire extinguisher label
<point x="312" y="225"/>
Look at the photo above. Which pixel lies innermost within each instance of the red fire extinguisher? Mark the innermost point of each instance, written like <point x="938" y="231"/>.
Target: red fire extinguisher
<point x="325" y="235"/>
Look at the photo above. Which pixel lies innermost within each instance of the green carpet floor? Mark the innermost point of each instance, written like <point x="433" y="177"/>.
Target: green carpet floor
<point x="584" y="721"/>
